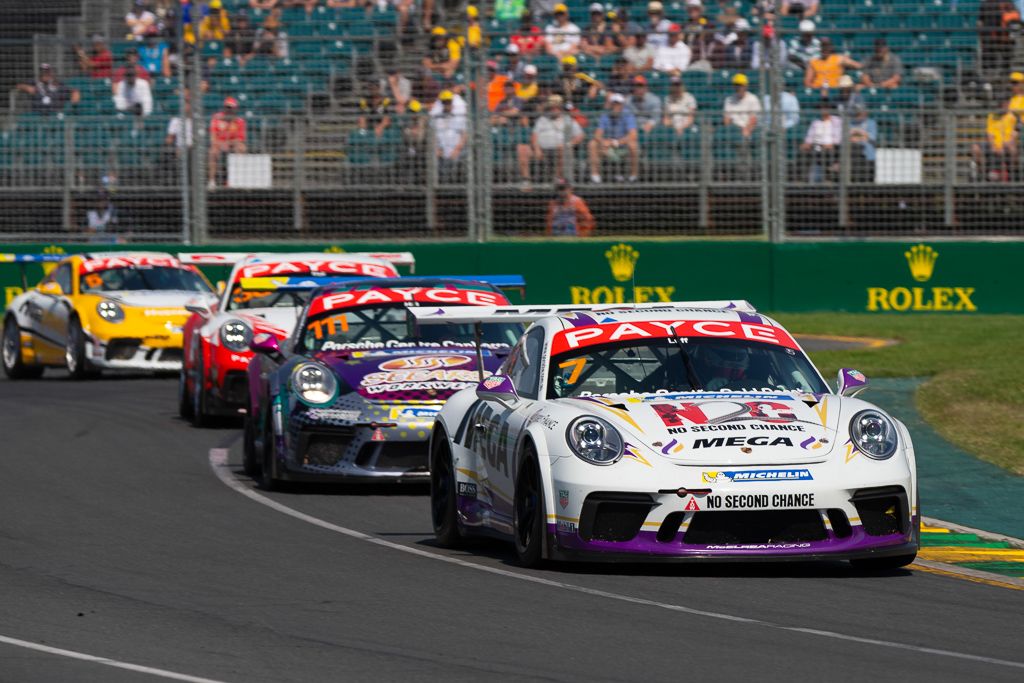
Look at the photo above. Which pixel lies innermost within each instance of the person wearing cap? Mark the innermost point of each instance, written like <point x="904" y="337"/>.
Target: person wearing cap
<point x="270" y="37"/>
<point x="863" y="135"/>
<point x="444" y="56"/>
<point x="132" y="95"/>
<point x="49" y="95"/>
<point x="450" y="132"/>
<point x="528" y="37"/>
<point x="738" y="52"/>
<point x="459" y="105"/>
<point x="998" y="160"/>
<point x="215" y="23"/>
<point x="799" y="8"/>
<point x="883" y="68"/>
<point x="680" y="106"/>
<point x="615" y="137"/>
<point x="849" y="98"/>
<point x="742" y="108"/>
<point x="574" y="85"/>
<point x="696" y="34"/>
<point x="555" y="134"/>
<point x="374" y="109"/>
<point x="657" y="25"/>
<point x="138" y="20"/>
<point x="1017" y="94"/>
<point x="674" y="57"/>
<point x="596" y="40"/>
<point x="821" y="143"/>
<point x="155" y="55"/>
<point x="508" y="10"/>
<point x="99" y="61"/>
<point x="826" y="70"/>
<point x="474" y="32"/>
<point x="639" y="54"/>
<point x="514" y="66"/>
<point x="804" y="47"/>
<point x="561" y="36"/>
<point x="568" y="215"/>
<point x="645" y="105"/>
<point x="527" y="88"/>
<point x="227" y="135"/>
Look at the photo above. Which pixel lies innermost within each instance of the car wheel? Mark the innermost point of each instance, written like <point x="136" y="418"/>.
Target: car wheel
<point x="200" y="418"/>
<point x="184" y="401"/>
<point x="528" y="513"/>
<point x="443" y="495"/>
<point x="74" y="352"/>
<point x="250" y="457"/>
<point x="878" y="564"/>
<point x="14" y="364"/>
<point x="268" y="472"/>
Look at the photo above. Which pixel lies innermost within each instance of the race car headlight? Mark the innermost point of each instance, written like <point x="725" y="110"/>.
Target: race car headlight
<point x="110" y="311"/>
<point x="236" y="335"/>
<point x="873" y="434"/>
<point x="314" y="383"/>
<point x="594" y="440"/>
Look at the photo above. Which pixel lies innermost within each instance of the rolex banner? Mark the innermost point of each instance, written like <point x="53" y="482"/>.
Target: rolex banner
<point x="878" y="277"/>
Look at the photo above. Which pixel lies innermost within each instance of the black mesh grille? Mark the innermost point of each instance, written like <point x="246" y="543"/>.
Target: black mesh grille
<point x="122" y="349"/>
<point x="764" y="526"/>
<point x="402" y="456"/>
<point x="882" y="511"/>
<point x="840" y="523"/>
<point x="613" y="516"/>
<point x="324" y="450"/>
<point x="236" y="387"/>
<point x="171" y="355"/>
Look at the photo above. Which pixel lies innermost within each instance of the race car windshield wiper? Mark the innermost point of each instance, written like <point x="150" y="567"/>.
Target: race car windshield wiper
<point x="691" y="373"/>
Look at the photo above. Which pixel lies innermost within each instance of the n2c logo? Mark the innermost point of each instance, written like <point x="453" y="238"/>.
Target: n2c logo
<point x="673" y="415"/>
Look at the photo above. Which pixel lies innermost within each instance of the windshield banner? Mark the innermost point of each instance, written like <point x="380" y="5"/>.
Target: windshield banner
<point x="429" y="295"/>
<point x="593" y="335"/>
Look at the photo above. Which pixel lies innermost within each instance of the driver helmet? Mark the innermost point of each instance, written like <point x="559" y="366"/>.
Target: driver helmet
<point x="725" y="361"/>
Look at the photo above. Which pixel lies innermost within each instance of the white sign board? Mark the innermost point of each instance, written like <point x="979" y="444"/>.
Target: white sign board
<point x="897" y="166"/>
<point x="250" y="171"/>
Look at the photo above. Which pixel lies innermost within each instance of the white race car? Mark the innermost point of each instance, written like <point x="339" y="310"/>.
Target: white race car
<point x="690" y="430"/>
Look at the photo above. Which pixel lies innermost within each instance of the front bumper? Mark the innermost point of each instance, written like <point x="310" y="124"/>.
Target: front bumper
<point x="135" y="353"/>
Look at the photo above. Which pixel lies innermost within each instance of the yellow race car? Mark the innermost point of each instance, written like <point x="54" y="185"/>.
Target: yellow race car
<point x="98" y="311"/>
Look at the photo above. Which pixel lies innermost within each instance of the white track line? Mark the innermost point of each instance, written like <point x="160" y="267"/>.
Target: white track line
<point x="162" y="673"/>
<point x="219" y="463"/>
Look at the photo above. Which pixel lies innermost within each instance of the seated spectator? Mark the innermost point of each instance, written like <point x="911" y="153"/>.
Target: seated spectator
<point x="238" y="44"/>
<point x="619" y="78"/>
<point x="657" y="25"/>
<point x="863" y="136"/>
<point x="561" y="37"/>
<point x="215" y="23"/>
<point x="474" y="33"/>
<point x="789" y="107"/>
<point x="179" y="129"/>
<point x="449" y="137"/>
<point x="742" y="108"/>
<point x="673" y="58"/>
<point x="528" y="37"/>
<point x="617" y="36"/>
<point x="511" y="107"/>
<point x="374" y="109"/>
<point x="459" y="106"/>
<point x="799" y="8"/>
<point x="883" y="69"/>
<point x="496" y="80"/>
<point x="49" y="95"/>
<point x="98" y="62"/>
<point x="848" y="97"/>
<point x="574" y="85"/>
<point x="639" y="55"/>
<point x="595" y="41"/>
<point x="998" y="159"/>
<point x="227" y="136"/>
<point x="397" y="87"/>
<point x="697" y="34"/>
<point x="155" y="55"/>
<point x="736" y="52"/>
<point x="821" y="144"/>
<point x="763" y="43"/>
<point x="614" y="138"/>
<point x="826" y="70"/>
<point x="271" y="39"/>
<point x="554" y="136"/>
<point x="1017" y="94"/>
<point x="131" y="65"/>
<point x="132" y="95"/>
<point x="527" y="89"/>
<point x="679" y="108"/>
<point x="139" y="20"/>
<point x="645" y="105"/>
<point x="515" y="66"/>
<point x="802" y="49"/>
<point x="444" y="55"/>
<point x="508" y="10"/>
<point x="568" y="214"/>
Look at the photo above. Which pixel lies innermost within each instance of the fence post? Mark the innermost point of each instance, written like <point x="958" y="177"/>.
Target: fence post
<point x="949" y="175"/>
<point x="703" y="199"/>
<point x="844" y="171"/>
<point x="200" y="147"/>
<point x="69" y="173"/>
<point x="184" y="145"/>
<point x="299" y="173"/>
<point x="431" y="185"/>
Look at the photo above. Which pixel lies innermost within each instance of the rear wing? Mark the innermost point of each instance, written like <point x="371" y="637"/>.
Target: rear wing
<point x="427" y="315"/>
<point x="230" y="258"/>
<point x="23" y="260"/>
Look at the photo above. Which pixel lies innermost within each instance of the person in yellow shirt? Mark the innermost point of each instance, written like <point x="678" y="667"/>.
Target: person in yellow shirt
<point x="215" y="24"/>
<point x="527" y="88"/>
<point x="826" y="70"/>
<point x="999" y="159"/>
<point x="474" y="32"/>
<point x="444" y="55"/>
<point x="1017" y="94"/>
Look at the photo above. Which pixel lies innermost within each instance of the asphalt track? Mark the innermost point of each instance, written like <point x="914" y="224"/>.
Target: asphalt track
<point x="119" y="540"/>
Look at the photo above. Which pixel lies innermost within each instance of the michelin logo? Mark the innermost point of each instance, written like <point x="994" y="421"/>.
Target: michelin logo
<point x="756" y="475"/>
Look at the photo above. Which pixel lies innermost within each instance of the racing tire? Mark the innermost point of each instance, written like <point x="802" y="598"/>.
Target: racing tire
<point x="443" y="495"/>
<point x="184" y="400"/>
<point x="200" y="416"/>
<point x="528" y="518"/>
<point x="74" y="352"/>
<point x="268" y="472"/>
<point x="250" y="458"/>
<point x="879" y="564"/>
<point x="14" y="364"/>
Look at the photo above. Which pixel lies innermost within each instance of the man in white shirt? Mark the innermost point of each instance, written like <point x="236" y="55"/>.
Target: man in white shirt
<point x="789" y="106"/>
<point x="562" y="37"/>
<point x="679" y="106"/>
<point x="133" y="96"/>
<point x="821" y="144"/>
<point x="450" y="131"/>
<point x="741" y="109"/>
<point x="554" y="135"/>
<point x="673" y="58"/>
<point x="139" y="20"/>
<point x="657" y="25"/>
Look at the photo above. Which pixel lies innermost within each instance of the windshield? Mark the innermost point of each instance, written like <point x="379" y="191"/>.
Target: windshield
<point x="651" y="366"/>
<point x="371" y="326"/>
<point x="141" y="278"/>
<point x="242" y="299"/>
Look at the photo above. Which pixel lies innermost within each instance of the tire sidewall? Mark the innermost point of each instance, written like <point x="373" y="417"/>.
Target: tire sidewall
<point x="74" y="350"/>
<point x="531" y="555"/>
<point x="449" y="531"/>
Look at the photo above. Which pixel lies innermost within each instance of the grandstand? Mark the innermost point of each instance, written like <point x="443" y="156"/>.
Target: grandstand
<point x="320" y="161"/>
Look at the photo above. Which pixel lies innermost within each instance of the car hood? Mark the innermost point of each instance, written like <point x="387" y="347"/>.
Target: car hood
<point x="732" y="428"/>
<point x="418" y="374"/>
<point x="152" y="299"/>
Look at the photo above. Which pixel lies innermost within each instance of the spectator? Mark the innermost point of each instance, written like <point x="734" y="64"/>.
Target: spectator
<point x="639" y="54"/>
<point x="742" y="108"/>
<point x="630" y="27"/>
<point x="804" y="48"/>
<point x="49" y="95"/>
<point x="474" y="31"/>
<point x="997" y="18"/>
<point x="215" y="23"/>
<point x="263" y="4"/>
<point x="863" y="136"/>
<point x="738" y="52"/>
<point x="657" y="25"/>
<point x="789" y="106"/>
<point x="883" y="69"/>
<point x="527" y="89"/>
<point x="374" y="110"/>
<point x="568" y="214"/>
<point x="238" y="43"/>
<point x="680" y="106"/>
<point x="760" y="54"/>
<point x="98" y="62"/>
<point x="509" y="10"/>
<point x="561" y="37"/>
<point x="616" y="37"/>
<point x="999" y="157"/>
<point x="510" y="108"/>
<point x="227" y="135"/>
<point x="574" y="85"/>
<point x="459" y="105"/>
<point x="131" y="65"/>
<point x="849" y="98"/>
<point x="139" y="20"/>
<point x="821" y="143"/>
<point x="397" y="87"/>
<point x="826" y="70"/>
<point x="674" y="57"/>
<point x="619" y="78"/>
<point x="596" y="40"/>
<point x="799" y="8"/>
<point x="132" y="95"/>
<point x="515" y="66"/>
<point x="698" y="36"/>
<point x="444" y="56"/>
<point x="1017" y="95"/>
<point x="179" y="129"/>
<point x="154" y="55"/>
<point x="645" y="105"/>
<point x="528" y="37"/>
<point x="614" y="138"/>
<point x="555" y="135"/>
<point x="103" y="215"/>
<point x="449" y="137"/>
<point x="270" y="37"/>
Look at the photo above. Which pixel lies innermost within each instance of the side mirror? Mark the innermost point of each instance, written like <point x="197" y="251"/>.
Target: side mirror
<point x="199" y="307"/>
<point x="51" y="288"/>
<point x="498" y="389"/>
<point x="851" y="382"/>
<point x="266" y="344"/>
